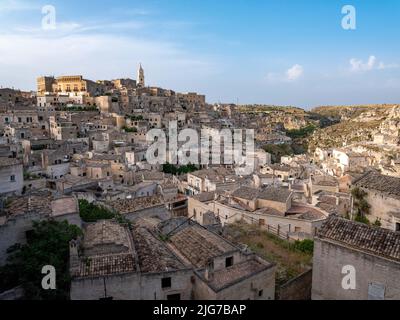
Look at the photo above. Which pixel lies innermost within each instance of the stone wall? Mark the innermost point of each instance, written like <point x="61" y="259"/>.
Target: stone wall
<point x="158" y="211"/>
<point x="329" y="260"/>
<point x="296" y="289"/>
<point x="11" y="187"/>
<point x="381" y="208"/>
<point x="14" y="231"/>
<point x="133" y="286"/>
<point x="247" y="289"/>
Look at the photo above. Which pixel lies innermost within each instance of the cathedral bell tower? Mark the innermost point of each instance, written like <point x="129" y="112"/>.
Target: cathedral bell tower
<point x="140" y="77"/>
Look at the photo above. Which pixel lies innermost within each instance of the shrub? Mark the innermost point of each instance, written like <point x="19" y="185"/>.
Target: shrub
<point x="362" y="219"/>
<point x="306" y="246"/>
<point x="92" y="213"/>
<point x="48" y="244"/>
<point x="378" y="223"/>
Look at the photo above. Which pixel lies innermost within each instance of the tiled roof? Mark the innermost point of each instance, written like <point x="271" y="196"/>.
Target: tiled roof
<point x="106" y="233"/>
<point x="376" y="181"/>
<point x="246" y="193"/>
<point x="198" y="245"/>
<point x="32" y="203"/>
<point x="153" y="255"/>
<point x="373" y="240"/>
<point x="127" y="206"/>
<point x="275" y="194"/>
<point x="106" y="265"/>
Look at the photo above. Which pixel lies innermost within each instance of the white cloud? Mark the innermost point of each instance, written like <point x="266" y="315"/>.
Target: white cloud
<point x="357" y="65"/>
<point x="291" y="75"/>
<point x="294" y="72"/>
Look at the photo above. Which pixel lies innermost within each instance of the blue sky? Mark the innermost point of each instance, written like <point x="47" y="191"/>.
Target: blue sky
<point x="286" y="52"/>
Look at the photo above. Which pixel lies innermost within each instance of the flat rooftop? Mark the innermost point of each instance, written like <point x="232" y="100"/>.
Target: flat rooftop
<point x="238" y="272"/>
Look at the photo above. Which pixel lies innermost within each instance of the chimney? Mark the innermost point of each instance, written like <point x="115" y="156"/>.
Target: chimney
<point x="209" y="273"/>
<point x="73" y="257"/>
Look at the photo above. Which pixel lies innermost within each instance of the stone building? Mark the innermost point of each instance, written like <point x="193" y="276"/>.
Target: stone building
<point x="174" y="260"/>
<point x="62" y="129"/>
<point x="72" y="85"/>
<point x="270" y="208"/>
<point x="141" y="207"/>
<point x="11" y="176"/>
<point x="192" y="98"/>
<point x="370" y="254"/>
<point x="16" y="219"/>
<point x="383" y="195"/>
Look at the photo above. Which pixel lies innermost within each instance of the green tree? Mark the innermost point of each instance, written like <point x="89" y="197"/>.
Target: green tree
<point x="171" y="169"/>
<point x="278" y="151"/>
<point x="361" y="205"/>
<point x="92" y="213"/>
<point x="129" y="130"/>
<point x="48" y="244"/>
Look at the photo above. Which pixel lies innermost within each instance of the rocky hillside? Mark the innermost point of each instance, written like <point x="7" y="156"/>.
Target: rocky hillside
<point x="357" y="124"/>
<point x="292" y="118"/>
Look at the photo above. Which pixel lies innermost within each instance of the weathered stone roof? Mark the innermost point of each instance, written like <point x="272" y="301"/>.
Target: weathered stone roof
<point x="198" y="245"/>
<point x="270" y="193"/>
<point x="373" y="240"/>
<point x="153" y="255"/>
<point x="238" y="272"/>
<point x="108" y="250"/>
<point x="212" y="174"/>
<point x="275" y="194"/>
<point x="37" y="203"/>
<point x="127" y="206"/>
<point x="205" y="196"/>
<point x="376" y="181"/>
<point x="106" y="265"/>
<point x="104" y="234"/>
<point x="246" y="193"/>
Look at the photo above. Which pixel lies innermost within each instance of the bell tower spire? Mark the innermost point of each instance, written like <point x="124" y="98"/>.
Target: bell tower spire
<point x="140" y="77"/>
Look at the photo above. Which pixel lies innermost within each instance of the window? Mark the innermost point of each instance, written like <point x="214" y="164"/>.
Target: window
<point x="166" y="283"/>
<point x="229" y="262"/>
<point x="260" y="293"/>
<point x="397" y="227"/>
<point x="174" y="297"/>
<point x="12" y="178"/>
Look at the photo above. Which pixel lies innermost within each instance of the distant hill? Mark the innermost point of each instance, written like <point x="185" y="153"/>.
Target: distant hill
<point x="355" y="124"/>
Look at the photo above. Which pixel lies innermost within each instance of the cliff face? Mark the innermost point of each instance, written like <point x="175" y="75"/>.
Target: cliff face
<point x="357" y="124"/>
